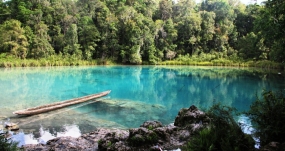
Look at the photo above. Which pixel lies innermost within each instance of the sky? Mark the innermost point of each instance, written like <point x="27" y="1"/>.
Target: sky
<point x="243" y="1"/>
<point x="251" y="1"/>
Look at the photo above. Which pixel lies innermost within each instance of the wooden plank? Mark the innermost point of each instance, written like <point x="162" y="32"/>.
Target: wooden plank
<point x="58" y="105"/>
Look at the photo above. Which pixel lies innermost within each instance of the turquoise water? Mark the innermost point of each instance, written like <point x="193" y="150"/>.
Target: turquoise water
<point x="139" y="93"/>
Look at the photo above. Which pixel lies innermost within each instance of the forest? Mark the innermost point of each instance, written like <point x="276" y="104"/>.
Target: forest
<point x="142" y="31"/>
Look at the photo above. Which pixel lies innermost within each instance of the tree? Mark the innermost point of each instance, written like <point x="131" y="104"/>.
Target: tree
<point x="41" y="48"/>
<point x="245" y="19"/>
<point x="88" y="7"/>
<point x="165" y="9"/>
<point x="105" y="24"/>
<point x="72" y="47"/>
<point x="13" y="39"/>
<point x="225" y="32"/>
<point x="88" y="36"/>
<point x="207" y="29"/>
<point x="5" y="11"/>
<point x="189" y="29"/>
<point x="166" y="34"/>
<point x="131" y="34"/>
<point x="271" y="23"/>
<point x="252" y="46"/>
<point x="20" y="10"/>
<point x="137" y="31"/>
<point x="183" y="8"/>
<point x="146" y="7"/>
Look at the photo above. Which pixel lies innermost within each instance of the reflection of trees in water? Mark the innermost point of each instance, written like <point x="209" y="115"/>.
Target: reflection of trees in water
<point x="174" y="87"/>
<point x="26" y="87"/>
<point x="230" y="86"/>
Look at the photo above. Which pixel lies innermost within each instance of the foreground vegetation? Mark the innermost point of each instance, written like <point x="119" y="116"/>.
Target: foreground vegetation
<point x="224" y="133"/>
<point x="77" y="32"/>
<point x="268" y="116"/>
<point x="6" y="144"/>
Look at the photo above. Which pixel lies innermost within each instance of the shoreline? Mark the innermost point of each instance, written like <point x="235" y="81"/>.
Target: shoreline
<point x="216" y="63"/>
<point x="151" y="135"/>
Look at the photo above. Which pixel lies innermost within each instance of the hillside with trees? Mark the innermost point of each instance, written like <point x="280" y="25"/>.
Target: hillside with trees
<point x="142" y="31"/>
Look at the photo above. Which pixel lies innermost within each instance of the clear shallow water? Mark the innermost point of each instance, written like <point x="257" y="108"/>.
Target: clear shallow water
<point x="139" y="93"/>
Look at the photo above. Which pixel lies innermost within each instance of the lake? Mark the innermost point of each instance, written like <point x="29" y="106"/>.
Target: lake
<point x="139" y="93"/>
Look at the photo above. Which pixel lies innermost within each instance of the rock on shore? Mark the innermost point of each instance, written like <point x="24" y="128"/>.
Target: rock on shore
<point x="151" y="135"/>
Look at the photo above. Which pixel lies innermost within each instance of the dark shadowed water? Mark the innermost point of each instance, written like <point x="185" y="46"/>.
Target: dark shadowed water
<point x="139" y="93"/>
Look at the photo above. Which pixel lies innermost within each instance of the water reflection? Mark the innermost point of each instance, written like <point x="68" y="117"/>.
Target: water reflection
<point x="44" y="135"/>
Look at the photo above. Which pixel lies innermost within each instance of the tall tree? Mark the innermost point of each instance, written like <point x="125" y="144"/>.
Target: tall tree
<point x="166" y="34"/>
<point x="207" y="29"/>
<point x="88" y="36"/>
<point x="13" y="39"/>
<point x="271" y="23"/>
<point x="188" y="33"/>
<point x="245" y="19"/>
<point x="165" y="9"/>
<point x="41" y="48"/>
<point x="5" y="11"/>
<point x="224" y="24"/>
<point x="252" y="46"/>
<point x="72" y="47"/>
<point x="21" y="10"/>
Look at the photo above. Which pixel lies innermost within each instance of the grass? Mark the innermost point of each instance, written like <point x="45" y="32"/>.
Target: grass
<point x="225" y="62"/>
<point x="56" y="60"/>
<point x="195" y="60"/>
<point x="221" y="60"/>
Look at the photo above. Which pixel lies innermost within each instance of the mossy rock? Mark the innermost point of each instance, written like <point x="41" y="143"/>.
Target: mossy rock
<point x="142" y="136"/>
<point x="189" y="116"/>
<point x="151" y="124"/>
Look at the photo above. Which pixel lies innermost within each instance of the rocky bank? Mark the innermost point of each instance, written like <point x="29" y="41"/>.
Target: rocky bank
<point x="151" y="135"/>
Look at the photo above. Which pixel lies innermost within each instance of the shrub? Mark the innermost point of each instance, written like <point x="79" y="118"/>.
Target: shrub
<point x="268" y="117"/>
<point x="6" y="144"/>
<point x="223" y="133"/>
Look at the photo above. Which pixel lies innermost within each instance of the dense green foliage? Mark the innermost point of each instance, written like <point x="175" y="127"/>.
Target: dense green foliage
<point x="223" y="133"/>
<point x="268" y="117"/>
<point x="6" y="145"/>
<point x="142" y="31"/>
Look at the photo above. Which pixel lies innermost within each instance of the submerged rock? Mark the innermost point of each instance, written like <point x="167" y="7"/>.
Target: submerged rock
<point x="12" y="126"/>
<point x="126" y="112"/>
